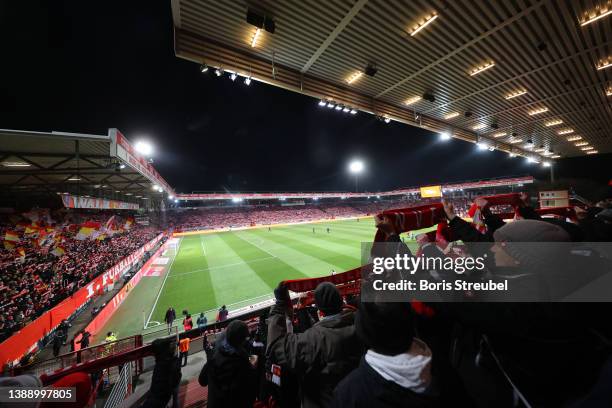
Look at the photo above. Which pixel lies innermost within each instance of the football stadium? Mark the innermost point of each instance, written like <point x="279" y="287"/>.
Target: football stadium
<point x="306" y="204"/>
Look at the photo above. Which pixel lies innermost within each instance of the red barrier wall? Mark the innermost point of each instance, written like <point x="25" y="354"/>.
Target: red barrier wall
<point x="111" y="307"/>
<point x="26" y="339"/>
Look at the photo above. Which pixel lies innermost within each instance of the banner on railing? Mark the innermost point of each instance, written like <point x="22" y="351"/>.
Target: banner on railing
<point x="73" y="201"/>
<point x="26" y="339"/>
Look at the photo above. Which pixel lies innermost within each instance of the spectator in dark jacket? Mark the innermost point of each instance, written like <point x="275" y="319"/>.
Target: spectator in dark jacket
<point x="85" y="337"/>
<point x="166" y="375"/>
<point x="169" y="318"/>
<point x="323" y="354"/>
<point x="222" y="314"/>
<point x="230" y="373"/>
<point x="396" y="370"/>
<point x="531" y="343"/>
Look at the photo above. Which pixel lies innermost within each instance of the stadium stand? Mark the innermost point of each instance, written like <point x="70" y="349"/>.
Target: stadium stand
<point x="192" y="219"/>
<point x="447" y="67"/>
<point x="49" y="256"/>
<point x="430" y="321"/>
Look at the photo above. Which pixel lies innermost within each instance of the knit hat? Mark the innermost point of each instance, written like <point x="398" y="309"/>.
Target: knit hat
<point x="25" y="380"/>
<point x="386" y="328"/>
<point x="236" y="333"/>
<point x="516" y="236"/>
<point x="327" y="298"/>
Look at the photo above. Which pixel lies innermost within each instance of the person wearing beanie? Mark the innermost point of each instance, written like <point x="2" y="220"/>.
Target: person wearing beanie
<point x="322" y="355"/>
<point x="533" y="343"/>
<point x="230" y="373"/>
<point x="396" y="370"/>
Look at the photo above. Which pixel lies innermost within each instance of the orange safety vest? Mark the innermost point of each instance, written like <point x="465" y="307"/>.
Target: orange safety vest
<point x="184" y="345"/>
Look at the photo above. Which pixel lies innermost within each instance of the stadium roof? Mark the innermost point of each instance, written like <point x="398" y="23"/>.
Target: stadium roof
<point x="104" y="166"/>
<point x="467" y="185"/>
<point x="526" y="70"/>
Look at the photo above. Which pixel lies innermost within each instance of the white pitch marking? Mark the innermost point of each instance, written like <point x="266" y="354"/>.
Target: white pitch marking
<point x="202" y="243"/>
<point x="163" y="283"/>
<point x="224" y="266"/>
<point x="256" y="245"/>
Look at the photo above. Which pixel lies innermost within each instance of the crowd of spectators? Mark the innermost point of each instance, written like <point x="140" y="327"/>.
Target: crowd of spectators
<point x="249" y="215"/>
<point x="346" y="353"/>
<point x="35" y="277"/>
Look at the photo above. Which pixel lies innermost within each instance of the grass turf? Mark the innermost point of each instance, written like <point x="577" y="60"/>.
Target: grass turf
<point x="238" y="268"/>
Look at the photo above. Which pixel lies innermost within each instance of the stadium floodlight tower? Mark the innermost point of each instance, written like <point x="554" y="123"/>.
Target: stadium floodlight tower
<point x="356" y="167"/>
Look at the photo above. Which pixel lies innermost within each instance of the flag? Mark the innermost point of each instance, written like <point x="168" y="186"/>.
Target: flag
<point x="11" y="236"/>
<point x="58" y="251"/>
<point x="44" y="238"/>
<point x="128" y="223"/>
<point x="9" y="245"/>
<point x="109" y="224"/>
<point x="21" y="253"/>
<point x="91" y="224"/>
<point x="101" y="237"/>
<point x="84" y="233"/>
<point x="31" y="229"/>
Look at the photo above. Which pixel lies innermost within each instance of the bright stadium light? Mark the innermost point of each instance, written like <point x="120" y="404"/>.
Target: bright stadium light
<point x="445" y="136"/>
<point x="170" y="197"/>
<point x="322" y="103"/>
<point x="143" y="147"/>
<point x="545" y="164"/>
<point x="247" y="81"/>
<point x="233" y="76"/>
<point x="356" y="166"/>
<point x="236" y="200"/>
<point x="482" y="146"/>
<point x="176" y="200"/>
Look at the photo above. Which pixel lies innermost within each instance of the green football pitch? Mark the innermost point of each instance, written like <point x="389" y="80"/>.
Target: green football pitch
<point x="239" y="268"/>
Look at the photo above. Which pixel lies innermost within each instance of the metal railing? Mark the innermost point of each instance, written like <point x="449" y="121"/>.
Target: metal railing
<point x="122" y="387"/>
<point x="85" y="355"/>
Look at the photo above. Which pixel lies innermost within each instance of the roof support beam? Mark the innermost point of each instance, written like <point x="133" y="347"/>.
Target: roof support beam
<point x="59" y="155"/>
<point x="587" y="51"/>
<point x="196" y="48"/>
<point x="465" y="46"/>
<point x="332" y="36"/>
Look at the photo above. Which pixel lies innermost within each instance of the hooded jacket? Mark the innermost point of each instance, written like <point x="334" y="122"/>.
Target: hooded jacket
<point x="320" y="357"/>
<point x="230" y="377"/>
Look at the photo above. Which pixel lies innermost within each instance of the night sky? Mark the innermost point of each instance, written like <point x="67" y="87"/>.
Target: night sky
<point x="75" y="67"/>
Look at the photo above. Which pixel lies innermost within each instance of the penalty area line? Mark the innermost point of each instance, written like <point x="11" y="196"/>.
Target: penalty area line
<point x="163" y="283"/>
